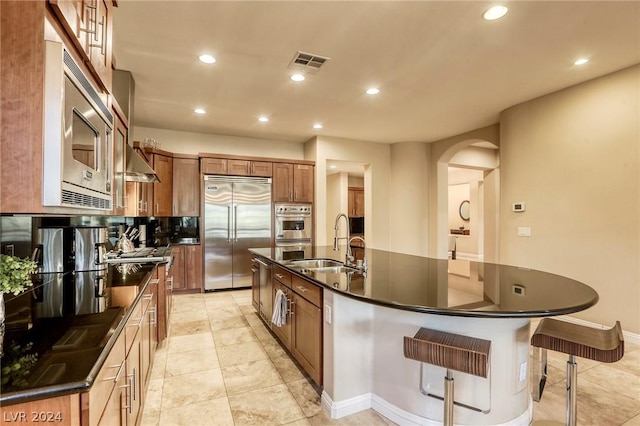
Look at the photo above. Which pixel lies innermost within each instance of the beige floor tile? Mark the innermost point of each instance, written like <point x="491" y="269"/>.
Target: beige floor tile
<point x="234" y="336"/>
<point x="191" y="388"/>
<point x="263" y="334"/>
<point x="190" y="327"/>
<point x="253" y="375"/>
<point x="633" y="422"/>
<point x="244" y="301"/>
<point x="267" y="406"/>
<point x="150" y="419"/>
<point x="191" y="361"/>
<point x="240" y="353"/>
<point x="183" y="305"/>
<point x="287" y="368"/>
<point x="218" y="295"/>
<point x="273" y="348"/>
<point x="301" y="422"/>
<point x="306" y="396"/>
<point x="228" y="322"/>
<point x="159" y="364"/>
<point x="247" y="309"/>
<point x="364" y="418"/>
<point x="190" y="342"/>
<point x="215" y="412"/>
<point x="596" y="405"/>
<point x="189" y="316"/>
<point x="614" y="380"/>
<point x="153" y="399"/>
<point x="223" y="311"/>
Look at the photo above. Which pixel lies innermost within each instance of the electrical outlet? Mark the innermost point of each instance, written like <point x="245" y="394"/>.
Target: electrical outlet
<point x="524" y="231"/>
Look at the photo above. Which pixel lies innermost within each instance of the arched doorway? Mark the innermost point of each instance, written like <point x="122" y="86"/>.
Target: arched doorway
<point x="473" y="151"/>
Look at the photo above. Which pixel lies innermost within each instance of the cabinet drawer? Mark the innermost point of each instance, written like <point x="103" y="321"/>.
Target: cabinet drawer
<point x="282" y="275"/>
<point x="111" y="372"/>
<point x="132" y="327"/>
<point x="309" y="291"/>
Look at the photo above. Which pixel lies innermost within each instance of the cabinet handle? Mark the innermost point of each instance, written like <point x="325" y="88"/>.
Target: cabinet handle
<point x="133" y="384"/>
<point x="291" y="313"/>
<point x="117" y="376"/>
<point x="170" y="282"/>
<point x="302" y="289"/>
<point x="93" y="11"/>
<point x="152" y="310"/>
<point x="127" y="397"/>
<point x="280" y="276"/>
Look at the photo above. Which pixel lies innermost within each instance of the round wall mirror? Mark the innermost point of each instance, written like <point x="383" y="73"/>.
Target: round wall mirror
<point x="464" y="210"/>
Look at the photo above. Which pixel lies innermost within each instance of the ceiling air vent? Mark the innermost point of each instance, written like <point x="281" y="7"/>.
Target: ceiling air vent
<point x="308" y="62"/>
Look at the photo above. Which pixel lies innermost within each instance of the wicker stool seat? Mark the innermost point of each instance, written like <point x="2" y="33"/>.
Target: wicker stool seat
<point x="466" y="354"/>
<point x="576" y="341"/>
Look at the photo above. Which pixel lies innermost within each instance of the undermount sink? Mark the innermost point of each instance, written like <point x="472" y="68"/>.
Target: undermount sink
<point x="316" y="263"/>
<point x="334" y="270"/>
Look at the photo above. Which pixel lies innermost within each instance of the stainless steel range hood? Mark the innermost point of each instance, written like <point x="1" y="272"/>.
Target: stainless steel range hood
<point x="137" y="169"/>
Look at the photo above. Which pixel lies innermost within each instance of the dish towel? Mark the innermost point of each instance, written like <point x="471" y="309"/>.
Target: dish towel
<point x="279" y="316"/>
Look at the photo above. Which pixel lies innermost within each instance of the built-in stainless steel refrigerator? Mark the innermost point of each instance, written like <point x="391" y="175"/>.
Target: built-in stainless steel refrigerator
<point x="237" y="216"/>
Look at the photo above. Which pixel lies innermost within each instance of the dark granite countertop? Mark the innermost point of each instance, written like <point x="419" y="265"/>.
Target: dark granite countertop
<point x="447" y="287"/>
<point x="60" y="331"/>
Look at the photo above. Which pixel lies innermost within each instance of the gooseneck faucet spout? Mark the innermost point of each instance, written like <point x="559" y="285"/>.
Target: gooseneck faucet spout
<point x="336" y="239"/>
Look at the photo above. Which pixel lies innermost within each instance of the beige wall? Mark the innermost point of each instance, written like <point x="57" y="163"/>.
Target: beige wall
<point x="408" y="198"/>
<point x="194" y="143"/>
<point x="376" y="158"/>
<point x="574" y="158"/>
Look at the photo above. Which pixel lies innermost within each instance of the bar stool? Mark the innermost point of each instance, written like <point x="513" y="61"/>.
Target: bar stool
<point x="575" y="340"/>
<point x="468" y="355"/>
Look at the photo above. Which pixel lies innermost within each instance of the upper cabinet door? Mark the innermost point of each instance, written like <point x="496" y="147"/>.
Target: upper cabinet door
<point x="89" y="24"/>
<point x="282" y="187"/>
<point x="303" y="183"/>
<point x="163" y="190"/>
<point x="186" y="187"/>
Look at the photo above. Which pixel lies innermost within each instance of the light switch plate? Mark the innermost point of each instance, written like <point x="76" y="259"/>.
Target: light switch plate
<point x="524" y="231"/>
<point x="327" y="314"/>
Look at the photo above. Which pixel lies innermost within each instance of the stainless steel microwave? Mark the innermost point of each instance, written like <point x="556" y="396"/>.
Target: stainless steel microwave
<point x="78" y="128"/>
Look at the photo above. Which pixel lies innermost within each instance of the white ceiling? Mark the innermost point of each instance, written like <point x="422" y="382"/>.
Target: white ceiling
<point x="442" y="70"/>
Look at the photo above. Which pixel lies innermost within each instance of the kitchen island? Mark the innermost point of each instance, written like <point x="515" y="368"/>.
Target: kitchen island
<point x="367" y="315"/>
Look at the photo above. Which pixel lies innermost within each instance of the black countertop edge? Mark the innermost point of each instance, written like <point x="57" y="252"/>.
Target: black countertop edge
<point x="62" y="389"/>
<point x="436" y="311"/>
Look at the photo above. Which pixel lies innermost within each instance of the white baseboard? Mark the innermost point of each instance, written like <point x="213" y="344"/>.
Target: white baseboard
<point x="347" y="407"/>
<point x="628" y="336"/>
<point x="397" y="415"/>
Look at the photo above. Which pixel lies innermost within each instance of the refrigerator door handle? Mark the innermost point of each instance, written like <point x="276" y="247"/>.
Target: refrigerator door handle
<point x="235" y="224"/>
<point x="229" y="223"/>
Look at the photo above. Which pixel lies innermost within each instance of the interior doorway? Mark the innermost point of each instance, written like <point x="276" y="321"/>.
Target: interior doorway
<point x="472" y="199"/>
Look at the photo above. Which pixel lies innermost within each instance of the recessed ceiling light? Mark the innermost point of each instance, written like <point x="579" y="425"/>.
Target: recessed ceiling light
<point x="263" y="119"/>
<point x="496" y="12"/>
<point x="333" y="166"/>
<point x="207" y="59"/>
<point x="373" y="91"/>
<point x="199" y="111"/>
<point x="581" y="61"/>
<point x="317" y="126"/>
<point x="297" y="77"/>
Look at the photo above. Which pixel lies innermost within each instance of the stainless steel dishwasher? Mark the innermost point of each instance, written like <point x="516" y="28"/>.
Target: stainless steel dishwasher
<point x="266" y="291"/>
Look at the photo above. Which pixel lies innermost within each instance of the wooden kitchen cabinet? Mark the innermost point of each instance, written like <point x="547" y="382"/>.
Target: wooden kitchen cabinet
<point x="255" y="283"/>
<point x="186" y="186"/>
<point x="164" y="275"/>
<point x="187" y="268"/>
<point x="89" y="25"/>
<point x="163" y="190"/>
<point x="356" y="202"/>
<point x="302" y="332"/>
<point x="292" y="182"/>
<point x="284" y="331"/>
<point x="214" y="166"/>
<point x="119" y="187"/>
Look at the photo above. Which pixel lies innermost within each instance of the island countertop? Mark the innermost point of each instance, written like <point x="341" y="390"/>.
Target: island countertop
<point x="447" y="287"/>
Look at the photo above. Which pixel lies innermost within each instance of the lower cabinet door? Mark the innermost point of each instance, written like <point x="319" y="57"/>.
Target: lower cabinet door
<point x="283" y="332"/>
<point x="306" y="341"/>
<point x="115" y="412"/>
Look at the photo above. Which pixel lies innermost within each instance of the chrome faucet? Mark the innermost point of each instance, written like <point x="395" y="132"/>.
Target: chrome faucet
<point x="349" y="256"/>
<point x="364" y="257"/>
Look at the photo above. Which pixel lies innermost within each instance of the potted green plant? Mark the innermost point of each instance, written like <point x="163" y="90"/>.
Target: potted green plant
<point x="15" y="277"/>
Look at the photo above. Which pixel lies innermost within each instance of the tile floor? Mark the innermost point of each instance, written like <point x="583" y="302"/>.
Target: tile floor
<point x="220" y="366"/>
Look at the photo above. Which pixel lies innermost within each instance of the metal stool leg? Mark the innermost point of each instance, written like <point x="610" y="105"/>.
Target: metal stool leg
<point x="448" y="399"/>
<point x="572" y="391"/>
